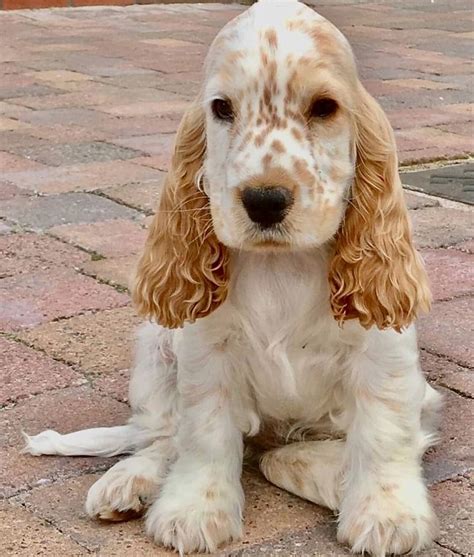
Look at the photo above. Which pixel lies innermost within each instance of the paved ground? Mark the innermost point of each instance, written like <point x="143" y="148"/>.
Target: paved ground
<point x="90" y="101"/>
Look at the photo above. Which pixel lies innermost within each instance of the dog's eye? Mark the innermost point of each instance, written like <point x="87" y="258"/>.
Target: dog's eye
<point x="323" y="108"/>
<point x="222" y="110"/>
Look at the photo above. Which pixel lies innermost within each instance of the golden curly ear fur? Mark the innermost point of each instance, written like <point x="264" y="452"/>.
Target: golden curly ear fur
<point x="183" y="272"/>
<point x="376" y="274"/>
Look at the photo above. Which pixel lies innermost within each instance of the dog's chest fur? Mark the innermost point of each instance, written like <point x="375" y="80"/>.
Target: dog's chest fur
<point x="289" y="351"/>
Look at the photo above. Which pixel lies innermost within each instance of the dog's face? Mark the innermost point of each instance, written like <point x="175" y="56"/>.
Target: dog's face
<point x="282" y="150"/>
<point x="279" y="131"/>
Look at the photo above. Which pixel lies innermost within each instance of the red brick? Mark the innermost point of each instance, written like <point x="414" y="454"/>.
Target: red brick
<point x="102" y="2"/>
<point x="269" y="514"/>
<point x="114" y="384"/>
<point x="96" y="343"/>
<point x="158" y="144"/>
<point x="421" y="117"/>
<point x="23" y="534"/>
<point x="83" y="117"/>
<point x="81" y="177"/>
<point x="431" y="140"/>
<point x="10" y="191"/>
<point x="28" y="300"/>
<point x="466" y="109"/>
<point x="441" y="227"/>
<point x="466" y="247"/>
<point x="415" y="200"/>
<point x="452" y="455"/>
<point x="112" y="238"/>
<point x="420" y="84"/>
<point x="12" y="110"/>
<point x="143" y="196"/>
<point x="77" y="94"/>
<point x="430" y="154"/>
<point x="62" y="505"/>
<point x="455" y="505"/>
<point x="33" y="4"/>
<point x="118" y="271"/>
<point x="25" y="372"/>
<point x="158" y="162"/>
<point x="451" y="272"/>
<point x="25" y="253"/>
<point x="10" y="124"/>
<point x="146" y="108"/>
<point x="56" y="77"/>
<point x="465" y="128"/>
<point x="57" y="133"/>
<point x="447" y="330"/>
<point x="15" y="163"/>
<point x="140" y="125"/>
<point x="64" y="411"/>
<point x="445" y="373"/>
<point x="4" y="228"/>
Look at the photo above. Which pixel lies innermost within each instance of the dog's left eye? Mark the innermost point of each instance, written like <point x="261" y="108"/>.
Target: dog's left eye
<point x="323" y="108"/>
<point x="222" y="110"/>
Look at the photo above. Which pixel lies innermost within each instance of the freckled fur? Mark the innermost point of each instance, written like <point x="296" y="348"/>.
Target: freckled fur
<point x="305" y="329"/>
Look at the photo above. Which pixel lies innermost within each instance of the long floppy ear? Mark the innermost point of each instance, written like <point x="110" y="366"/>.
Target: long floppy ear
<point x="183" y="272"/>
<point x="376" y="275"/>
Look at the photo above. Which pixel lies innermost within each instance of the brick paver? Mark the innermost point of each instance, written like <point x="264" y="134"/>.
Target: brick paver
<point x="90" y="100"/>
<point x="26" y="372"/>
<point x="95" y="343"/>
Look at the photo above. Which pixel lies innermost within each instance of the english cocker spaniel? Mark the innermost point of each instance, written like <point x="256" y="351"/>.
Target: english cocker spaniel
<point x="282" y="284"/>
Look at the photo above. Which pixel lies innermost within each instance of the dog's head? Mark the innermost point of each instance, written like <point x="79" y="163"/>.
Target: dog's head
<point x="282" y="150"/>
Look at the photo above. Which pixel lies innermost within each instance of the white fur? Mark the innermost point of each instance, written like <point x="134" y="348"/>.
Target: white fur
<point x="272" y="352"/>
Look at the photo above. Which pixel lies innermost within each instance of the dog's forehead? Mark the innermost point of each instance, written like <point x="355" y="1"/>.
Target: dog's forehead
<point x="279" y="31"/>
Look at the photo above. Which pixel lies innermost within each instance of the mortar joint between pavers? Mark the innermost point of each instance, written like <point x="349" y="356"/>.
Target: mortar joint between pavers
<point x="55" y="526"/>
<point x="448" y="548"/>
<point x="145" y="212"/>
<point x="445" y="357"/>
<point x="118" y="287"/>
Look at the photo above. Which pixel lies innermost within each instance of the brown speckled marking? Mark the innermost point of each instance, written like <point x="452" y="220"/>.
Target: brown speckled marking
<point x="277" y="146"/>
<point x="260" y="138"/>
<point x="210" y="494"/>
<point x="271" y="36"/>
<point x="389" y="488"/>
<point x="302" y="174"/>
<point x="295" y="132"/>
<point x="267" y="159"/>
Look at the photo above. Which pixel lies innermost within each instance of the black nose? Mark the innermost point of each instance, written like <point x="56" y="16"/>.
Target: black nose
<point x="267" y="206"/>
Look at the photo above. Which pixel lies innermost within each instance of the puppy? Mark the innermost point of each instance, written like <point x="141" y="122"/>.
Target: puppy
<point x="282" y="284"/>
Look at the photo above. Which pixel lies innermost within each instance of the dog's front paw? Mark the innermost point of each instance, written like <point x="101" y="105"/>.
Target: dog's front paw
<point x="194" y="516"/>
<point x="123" y="491"/>
<point x="390" y="520"/>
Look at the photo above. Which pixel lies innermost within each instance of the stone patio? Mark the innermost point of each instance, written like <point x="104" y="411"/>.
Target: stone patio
<point x="89" y="102"/>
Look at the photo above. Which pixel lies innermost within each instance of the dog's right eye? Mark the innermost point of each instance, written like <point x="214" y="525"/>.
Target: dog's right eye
<point x="222" y="110"/>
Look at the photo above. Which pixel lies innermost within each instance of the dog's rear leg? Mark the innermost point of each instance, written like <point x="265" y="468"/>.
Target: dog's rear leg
<point x="312" y="470"/>
<point x="132" y="484"/>
<point x="152" y="395"/>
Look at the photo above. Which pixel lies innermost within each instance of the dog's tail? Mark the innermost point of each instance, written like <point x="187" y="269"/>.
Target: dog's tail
<point x="100" y="441"/>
